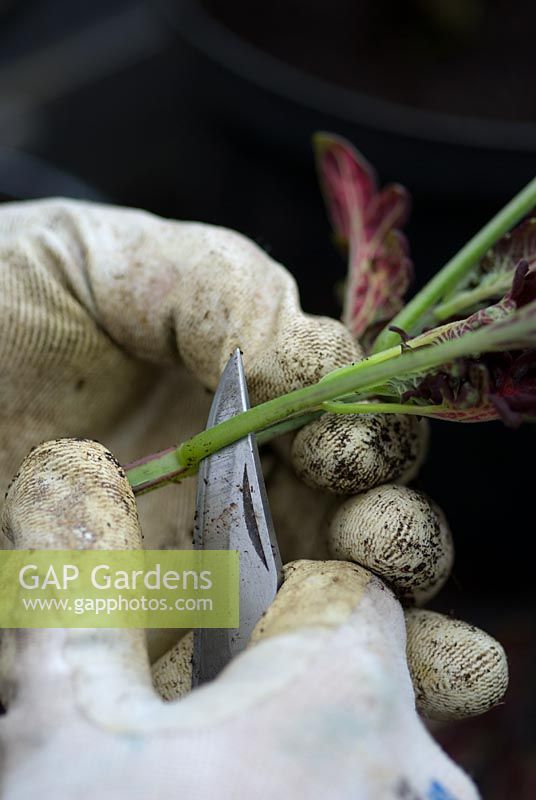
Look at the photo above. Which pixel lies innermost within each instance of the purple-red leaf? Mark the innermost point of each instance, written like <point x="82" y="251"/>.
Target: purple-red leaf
<point x="518" y="245"/>
<point x="366" y="221"/>
<point x="492" y="385"/>
<point x="496" y="386"/>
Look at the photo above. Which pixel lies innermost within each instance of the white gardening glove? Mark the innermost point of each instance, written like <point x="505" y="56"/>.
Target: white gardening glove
<point x="105" y="316"/>
<point x="321" y="705"/>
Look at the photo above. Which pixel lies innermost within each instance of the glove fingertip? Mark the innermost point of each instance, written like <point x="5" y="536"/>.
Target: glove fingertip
<point x="400" y="535"/>
<point x="349" y="454"/>
<point x="457" y="669"/>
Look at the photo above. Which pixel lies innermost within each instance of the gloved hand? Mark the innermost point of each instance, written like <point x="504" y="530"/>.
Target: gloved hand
<point x="322" y="706"/>
<point x="105" y="316"/>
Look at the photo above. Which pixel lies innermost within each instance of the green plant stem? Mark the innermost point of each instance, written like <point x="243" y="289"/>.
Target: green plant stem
<point x="270" y="419"/>
<point x="458" y="267"/>
<point x="286" y="426"/>
<point x="155" y="471"/>
<point x="470" y="298"/>
<point x="162" y="468"/>
<point x="362" y="378"/>
<point x="382" y="408"/>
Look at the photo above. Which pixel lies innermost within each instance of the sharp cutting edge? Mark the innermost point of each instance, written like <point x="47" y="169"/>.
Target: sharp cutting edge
<point x="233" y="514"/>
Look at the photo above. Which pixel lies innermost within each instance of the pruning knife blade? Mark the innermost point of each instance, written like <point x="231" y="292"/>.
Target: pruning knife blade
<point x="232" y="513"/>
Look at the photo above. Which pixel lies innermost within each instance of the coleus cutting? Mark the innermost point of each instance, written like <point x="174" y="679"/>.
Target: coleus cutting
<point x="463" y="349"/>
<point x="472" y="388"/>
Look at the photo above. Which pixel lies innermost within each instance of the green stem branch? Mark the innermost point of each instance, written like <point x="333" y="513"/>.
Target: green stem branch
<point x="382" y="408"/>
<point x="468" y="300"/>
<point x="362" y="378"/>
<point x="457" y="268"/>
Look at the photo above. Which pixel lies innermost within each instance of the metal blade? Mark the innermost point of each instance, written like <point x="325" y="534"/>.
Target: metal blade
<point x="233" y="514"/>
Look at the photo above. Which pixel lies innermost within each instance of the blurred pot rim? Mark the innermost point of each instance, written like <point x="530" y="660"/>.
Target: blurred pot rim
<point x="247" y="62"/>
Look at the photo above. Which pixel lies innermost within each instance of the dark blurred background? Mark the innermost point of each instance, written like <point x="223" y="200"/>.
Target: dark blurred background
<point x="204" y="109"/>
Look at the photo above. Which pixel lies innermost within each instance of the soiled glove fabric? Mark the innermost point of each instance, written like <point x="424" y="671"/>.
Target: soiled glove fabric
<point x="114" y="324"/>
<point x="320" y="706"/>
